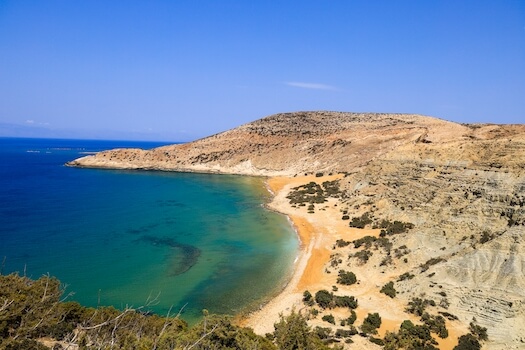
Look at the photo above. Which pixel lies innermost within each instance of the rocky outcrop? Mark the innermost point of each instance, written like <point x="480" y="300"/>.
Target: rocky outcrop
<point x="462" y="186"/>
<point x="286" y="144"/>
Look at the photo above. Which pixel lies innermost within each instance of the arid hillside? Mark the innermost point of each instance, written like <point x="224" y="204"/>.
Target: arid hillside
<point x="462" y="187"/>
<point x="289" y="144"/>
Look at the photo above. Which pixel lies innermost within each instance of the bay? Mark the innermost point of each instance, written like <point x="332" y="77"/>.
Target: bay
<point x="169" y="241"/>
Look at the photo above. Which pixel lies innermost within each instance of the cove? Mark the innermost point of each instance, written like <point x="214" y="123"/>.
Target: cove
<point x="173" y="241"/>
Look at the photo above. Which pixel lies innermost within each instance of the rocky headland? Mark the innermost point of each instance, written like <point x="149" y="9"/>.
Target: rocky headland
<point x="456" y="191"/>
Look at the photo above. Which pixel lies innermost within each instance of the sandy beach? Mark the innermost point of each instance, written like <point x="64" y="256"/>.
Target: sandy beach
<point x="318" y="233"/>
<point x="308" y="269"/>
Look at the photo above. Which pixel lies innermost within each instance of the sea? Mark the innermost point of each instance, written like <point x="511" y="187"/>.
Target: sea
<point x="163" y="242"/>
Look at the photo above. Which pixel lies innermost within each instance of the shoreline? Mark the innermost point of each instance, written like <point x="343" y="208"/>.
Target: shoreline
<point x="317" y="235"/>
<point x="308" y="264"/>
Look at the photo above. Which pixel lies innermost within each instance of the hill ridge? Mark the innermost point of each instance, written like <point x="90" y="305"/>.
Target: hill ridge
<point x="280" y="144"/>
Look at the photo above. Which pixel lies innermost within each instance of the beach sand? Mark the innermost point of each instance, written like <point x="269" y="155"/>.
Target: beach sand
<point x="318" y="233"/>
<point x="309" y="264"/>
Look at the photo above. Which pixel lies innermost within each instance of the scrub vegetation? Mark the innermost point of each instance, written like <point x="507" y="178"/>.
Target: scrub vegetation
<point x="34" y="315"/>
<point x="313" y="193"/>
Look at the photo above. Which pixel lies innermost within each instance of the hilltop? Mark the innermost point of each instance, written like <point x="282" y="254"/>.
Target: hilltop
<point x="459" y="188"/>
<point x="288" y="144"/>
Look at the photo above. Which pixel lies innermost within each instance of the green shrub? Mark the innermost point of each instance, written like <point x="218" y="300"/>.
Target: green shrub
<point x="405" y="276"/>
<point x="371" y="323"/>
<point x="345" y="301"/>
<point x="362" y="221"/>
<point x="331" y="188"/>
<point x="346" y="277"/>
<point x="329" y="318"/>
<point x="343" y="333"/>
<point x="391" y="228"/>
<point x="341" y="243"/>
<point x="363" y="256"/>
<point x="433" y="261"/>
<point x="307" y="298"/>
<point x="352" y="318"/>
<point x="399" y="252"/>
<point x="436" y="324"/>
<point x="324" y="298"/>
<point x="366" y="241"/>
<point x="389" y="289"/>
<point x="314" y="193"/>
<point x="478" y="331"/>
<point x="292" y="332"/>
<point x="468" y="342"/>
<point x="22" y="344"/>
<point x="377" y="341"/>
<point x="383" y="242"/>
<point x="309" y="193"/>
<point x="410" y="336"/>
<point x="346" y="333"/>
<point x="323" y="332"/>
<point x="417" y="306"/>
<point x="225" y="335"/>
<point x="335" y="260"/>
<point x="486" y="236"/>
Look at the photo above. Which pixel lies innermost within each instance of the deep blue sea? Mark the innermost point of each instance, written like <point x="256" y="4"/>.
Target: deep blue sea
<point x="121" y="238"/>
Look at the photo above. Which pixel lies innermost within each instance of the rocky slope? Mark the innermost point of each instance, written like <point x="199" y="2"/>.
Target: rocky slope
<point x="462" y="186"/>
<point x="466" y="198"/>
<point x="287" y="144"/>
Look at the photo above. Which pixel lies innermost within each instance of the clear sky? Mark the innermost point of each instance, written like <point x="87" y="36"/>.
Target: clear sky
<point x="180" y="70"/>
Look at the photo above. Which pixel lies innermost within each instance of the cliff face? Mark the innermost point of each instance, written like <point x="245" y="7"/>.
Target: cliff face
<point x="466" y="198"/>
<point x="462" y="186"/>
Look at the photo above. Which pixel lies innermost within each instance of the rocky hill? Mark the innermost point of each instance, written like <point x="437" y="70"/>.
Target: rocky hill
<point x="288" y="144"/>
<point x="461" y="186"/>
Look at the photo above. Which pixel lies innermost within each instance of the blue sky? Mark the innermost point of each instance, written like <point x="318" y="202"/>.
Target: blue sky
<point x="180" y="70"/>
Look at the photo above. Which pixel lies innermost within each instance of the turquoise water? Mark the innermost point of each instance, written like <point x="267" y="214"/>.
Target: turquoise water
<point x="120" y="237"/>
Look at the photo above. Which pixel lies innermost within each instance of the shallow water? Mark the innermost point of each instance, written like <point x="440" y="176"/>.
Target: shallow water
<point x="121" y="237"/>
